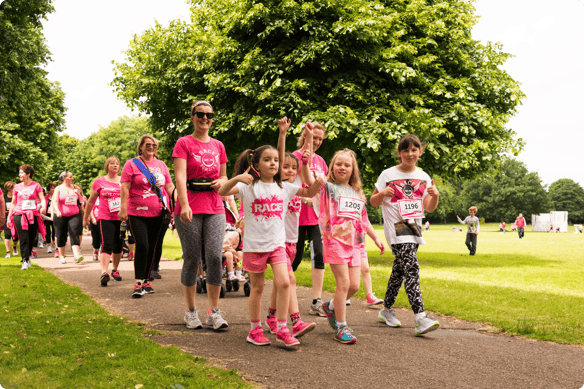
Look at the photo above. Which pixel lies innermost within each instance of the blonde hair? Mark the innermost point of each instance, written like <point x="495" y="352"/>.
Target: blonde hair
<point x="108" y="162"/>
<point x="473" y="208"/>
<point x="355" y="179"/>
<point x="142" y="140"/>
<point x="302" y="137"/>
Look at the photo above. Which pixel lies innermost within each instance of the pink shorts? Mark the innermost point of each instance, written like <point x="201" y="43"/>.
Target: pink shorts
<point x="333" y="258"/>
<point x="258" y="262"/>
<point x="290" y="254"/>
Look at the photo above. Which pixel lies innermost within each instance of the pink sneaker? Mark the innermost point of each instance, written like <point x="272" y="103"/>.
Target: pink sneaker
<point x="257" y="337"/>
<point x="272" y="322"/>
<point x="372" y="300"/>
<point x="286" y="337"/>
<point x="56" y="253"/>
<point x="301" y="328"/>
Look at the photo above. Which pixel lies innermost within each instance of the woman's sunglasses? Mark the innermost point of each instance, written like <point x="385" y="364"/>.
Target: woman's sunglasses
<point x="149" y="145"/>
<point x="201" y="115"/>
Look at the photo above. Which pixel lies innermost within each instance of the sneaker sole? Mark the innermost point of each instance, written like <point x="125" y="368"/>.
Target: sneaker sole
<point x="79" y="260"/>
<point x="354" y="340"/>
<point x="375" y="303"/>
<point x="306" y="330"/>
<point x="296" y="344"/>
<point x="104" y="281"/>
<point x="316" y="313"/>
<point x="221" y="327"/>
<point x="196" y="327"/>
<point x="136" y="295"/>
<point x="430" y="329"/>
<point x="250" y="340"/>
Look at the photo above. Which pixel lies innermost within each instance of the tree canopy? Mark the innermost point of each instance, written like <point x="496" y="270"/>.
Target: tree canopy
<point x="370" y="71"/>
<point x="31" y="107"/>
<point x="567" y="195"/>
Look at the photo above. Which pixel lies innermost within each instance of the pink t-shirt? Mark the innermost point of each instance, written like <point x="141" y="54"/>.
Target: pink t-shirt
<point x="520" y="222"/>
<point x="142" y="200"/>
<point x="307" y="214"/>
<point x="204" y="160"/>
<point x="67" y="204"/>
<point x="109" y="199"/>
<point x="25" y="198"/>
<point x="293" y="215"/>
<point x="343" y="221"/>
<point x="95" y="209"/>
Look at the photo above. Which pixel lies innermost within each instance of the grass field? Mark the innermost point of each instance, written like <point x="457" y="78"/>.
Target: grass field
<point x="532" y="287"/>
<point x="54" y="336"/>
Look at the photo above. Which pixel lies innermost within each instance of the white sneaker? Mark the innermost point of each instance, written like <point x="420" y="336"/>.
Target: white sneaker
<point x="41" y="245"/>
<point x="241" y="278"/>
<point x="215" y="320"/>
<point x="25" y="265"/>
<point x="231" y="277"/>
<point x="426" y="324"/>
<point x="49" y="249"/>
<point x="388" y="316"/>
<point x="7" y="255"/>
<point x="192" y="320"/>
<point x="15" y="253"/>
<point x="62" y="260"/>
<point x="317" y="309"/>
<point x="348" y="302"/>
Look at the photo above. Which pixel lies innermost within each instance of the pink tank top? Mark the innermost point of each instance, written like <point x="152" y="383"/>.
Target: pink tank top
<point x="68" y="204"/>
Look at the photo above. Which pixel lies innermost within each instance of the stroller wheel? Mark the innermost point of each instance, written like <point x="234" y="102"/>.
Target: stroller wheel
<point x="222" y="293"/>
<point x="199" y="286"/>
<point x="235" y="285"/>
<point x="228" y="285"/>
<point x="247" y="289"/>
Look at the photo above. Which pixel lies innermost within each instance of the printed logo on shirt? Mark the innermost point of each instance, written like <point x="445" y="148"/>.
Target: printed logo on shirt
<point x="407" y="189"/>
<point x="267" y="207"/>
<point x="208" y="159"/>
<point x="294" y="205"/>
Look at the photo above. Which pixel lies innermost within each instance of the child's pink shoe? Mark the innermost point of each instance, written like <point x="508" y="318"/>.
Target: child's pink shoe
<point x="272" y="322"/>
<point x="257" y="337"/>
<point x="286" y="337"/>
<point x="301" y="328"/>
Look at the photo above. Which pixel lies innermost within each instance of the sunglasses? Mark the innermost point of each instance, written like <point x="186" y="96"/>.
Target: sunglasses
<point x="149" y="145"/>
<point x="201" y="115"/>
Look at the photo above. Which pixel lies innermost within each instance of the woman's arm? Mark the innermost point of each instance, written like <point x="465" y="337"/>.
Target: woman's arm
<point x="54" y="201"/>
<point x="124" y="194"/>
<point x="180" y="173"/>
<point x="216" y="184"/>
<point x="89" y="207"/>
<point x="41" y="198"/>
<point x="2" y="211"/>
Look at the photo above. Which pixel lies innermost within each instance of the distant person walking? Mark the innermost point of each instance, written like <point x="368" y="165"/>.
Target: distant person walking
<point x="472" y="232"/>
<point x="520" y="224"/>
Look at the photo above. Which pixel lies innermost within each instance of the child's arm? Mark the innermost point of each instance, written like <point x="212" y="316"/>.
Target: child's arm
<point x="460" y="220"/>
<point x="229" y="187"/>
<point x="313" y="190"/>
<point x="478" y="227"/>
<point x="378" y="242"/>
<point x="306" y="150"/>
<point x="431" y="200"/>
<point x="377" y="197"/>
<point x="283" y="125"/>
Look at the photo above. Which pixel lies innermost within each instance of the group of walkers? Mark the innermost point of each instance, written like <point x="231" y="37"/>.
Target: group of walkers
<point x="285" y="199"/>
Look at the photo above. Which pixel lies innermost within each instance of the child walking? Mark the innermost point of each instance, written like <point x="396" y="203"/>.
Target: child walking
<point x="264" y="199"/>
<point x="472" y="232"/>
<point x="343" y="221"/>
<point x="404" y="193"/>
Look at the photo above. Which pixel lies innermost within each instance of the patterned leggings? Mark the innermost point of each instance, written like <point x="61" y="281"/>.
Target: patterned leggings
<point x="405" y="267"/>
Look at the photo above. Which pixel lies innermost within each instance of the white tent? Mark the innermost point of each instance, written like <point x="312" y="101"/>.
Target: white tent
<point x="556" y="219"/>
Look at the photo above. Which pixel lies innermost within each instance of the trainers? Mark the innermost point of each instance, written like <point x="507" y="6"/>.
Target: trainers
<point x="426" y="324"/>
<point x="316" y="308"/>
<point x="104" y="279"/>
<point x="348" y="302"/>
<point x="241" y="278"/>
<point x="7" y="255"/>
<point x="41" y="245"/>
<point x="154" y="275"/>
<point x="138" y="292"/>
<point x="372" y="300"/>
<point x="116" y="275"/>
<point x="192" y="320"/>
<point x="272" y="323"/>
<point x="15" y="252"/>
<point x="79" y="259"/>
<point x="131" y="257"/>
<point x="344" y="335"/>
<point x="147" y="288"/>
<point x="95" y="257"/>
<point x="257" y="337"/>
<point x="231" y="277"/>
<point x="62" y="260"/>
<point x="49" y="249"/>
<point x="301" y="328"/>
<point x="56" y="253"/>
<point x="330" y="315"/>
<point x="389" y="317"/>
<point x="24" y="265"/>
<point x="35" y="254"/>
<point x="286" y="337"/>
<point x="215" y="320"/>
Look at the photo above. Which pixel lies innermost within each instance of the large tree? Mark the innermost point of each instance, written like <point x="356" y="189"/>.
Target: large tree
<point x="567" y="195"/>
<point x="31" y="107"/>
<point x="371" y="71"/>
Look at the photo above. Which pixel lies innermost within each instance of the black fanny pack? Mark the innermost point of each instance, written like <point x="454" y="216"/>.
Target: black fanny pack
<point x="200" y="184"/>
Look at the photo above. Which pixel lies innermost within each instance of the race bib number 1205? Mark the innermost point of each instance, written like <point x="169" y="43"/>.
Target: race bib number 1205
<point x="350" y="207"/>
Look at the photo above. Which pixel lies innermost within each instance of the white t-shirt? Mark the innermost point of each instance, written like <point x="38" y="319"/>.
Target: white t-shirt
<point x="411" y="187"/>
<point x="264" y="207"/>
<point x="293" y="215"/>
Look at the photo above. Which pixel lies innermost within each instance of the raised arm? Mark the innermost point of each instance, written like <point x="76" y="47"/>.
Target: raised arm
<point x="283" y="125"/>
<point x="229" y="187"/>
<point x="431" y="200"/>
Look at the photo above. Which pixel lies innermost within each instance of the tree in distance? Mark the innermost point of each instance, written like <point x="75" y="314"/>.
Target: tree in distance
<point x="568" y="195"/>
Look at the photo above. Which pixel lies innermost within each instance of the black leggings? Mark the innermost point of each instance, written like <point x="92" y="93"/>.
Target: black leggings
<point x="146" y="231"/>
<point x="27" y="238"/>
<point x="95" y="236"/>
<point x="471" y="242"/>
<point x="50" y="236"/>
<point x="405" y="268"/>
<point x="64" y="225"/>
<point x="111" y="242"/>
<point x="313" y="233"/>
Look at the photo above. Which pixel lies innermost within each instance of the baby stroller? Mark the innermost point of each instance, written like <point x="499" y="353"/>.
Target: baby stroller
<point x="228" y="286"/>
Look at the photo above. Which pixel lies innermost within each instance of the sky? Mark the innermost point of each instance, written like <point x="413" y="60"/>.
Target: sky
<point x="546" y="38"/>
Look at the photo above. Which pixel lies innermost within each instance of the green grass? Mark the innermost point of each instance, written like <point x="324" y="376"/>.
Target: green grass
<point x="53" y="335"/>
<point x="532" y="287"/>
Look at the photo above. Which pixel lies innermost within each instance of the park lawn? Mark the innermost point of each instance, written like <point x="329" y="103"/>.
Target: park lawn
<point x="53" y="335"/>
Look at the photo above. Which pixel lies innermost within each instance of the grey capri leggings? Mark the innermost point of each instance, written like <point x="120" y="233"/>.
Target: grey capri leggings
<point x="211" y="229"/>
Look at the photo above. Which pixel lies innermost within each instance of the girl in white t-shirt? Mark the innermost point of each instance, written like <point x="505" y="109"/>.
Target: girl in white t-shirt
<point x="404" y="193"/>
<point x="264" y="199"/>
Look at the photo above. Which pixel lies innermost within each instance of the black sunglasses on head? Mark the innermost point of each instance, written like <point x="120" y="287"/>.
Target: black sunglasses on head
<point x="201" y="115"/>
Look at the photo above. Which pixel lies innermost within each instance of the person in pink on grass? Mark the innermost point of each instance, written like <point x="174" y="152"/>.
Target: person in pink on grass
<point x="66" y="216"/>
<point x="343" y="220"/>
<point x="265" y="199"/>
<point x="24" y="217"/>
<point x="289" y="173"/>
<point x="520" y="224"/>
<point x="9" y="239"/>
<point x="107" y="189"/>
<point x="141" y="205"/>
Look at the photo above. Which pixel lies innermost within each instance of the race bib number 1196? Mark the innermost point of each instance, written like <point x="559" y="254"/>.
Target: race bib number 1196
<point x="411" y="209"/>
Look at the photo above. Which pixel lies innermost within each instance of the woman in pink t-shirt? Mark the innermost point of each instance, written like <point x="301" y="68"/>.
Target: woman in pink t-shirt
<point x="107" y="189"/>
<point x="143" y="207"/>
<point x="66" y="216"/>
<point x="199" y="217"/>
<point x="308" y="222"/>
<point x="24" y="215"/>
<point x="520" y="224"/>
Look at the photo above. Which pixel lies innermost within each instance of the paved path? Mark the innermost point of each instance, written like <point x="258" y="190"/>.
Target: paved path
<point x="458" y="355"/>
